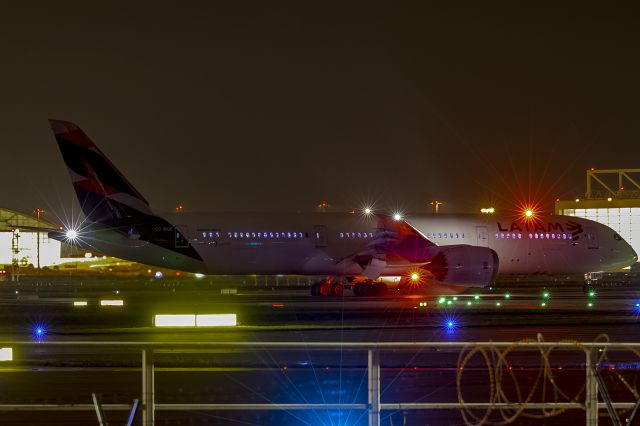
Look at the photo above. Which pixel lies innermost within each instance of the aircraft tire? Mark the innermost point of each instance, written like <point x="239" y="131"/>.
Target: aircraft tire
<point x="337" y="289"/>
<point x="380" y="289"/>
<point x="368" y="290"/>
<point x="324" y="289"/>
<point x="314" y="289"/>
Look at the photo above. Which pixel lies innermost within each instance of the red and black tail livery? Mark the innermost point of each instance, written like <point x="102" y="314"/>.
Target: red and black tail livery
<point x="103" y="192"/>
<point x="106" y="196"/>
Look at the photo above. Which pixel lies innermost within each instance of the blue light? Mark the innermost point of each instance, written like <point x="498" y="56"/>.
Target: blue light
<point x="158" y="275"/>
<point x="451" y="324"/>
<point x="39" y="332"/>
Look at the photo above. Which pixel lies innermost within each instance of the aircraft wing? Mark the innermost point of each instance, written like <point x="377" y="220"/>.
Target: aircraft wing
<point x="395" y="244"/>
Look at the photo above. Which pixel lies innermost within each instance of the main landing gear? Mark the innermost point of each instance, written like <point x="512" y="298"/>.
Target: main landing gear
<point x="327" y="288"/>
<point x="369" y="288"/>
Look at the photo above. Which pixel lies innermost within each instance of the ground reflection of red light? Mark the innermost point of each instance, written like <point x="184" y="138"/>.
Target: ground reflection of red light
<point x="278" y="305"/>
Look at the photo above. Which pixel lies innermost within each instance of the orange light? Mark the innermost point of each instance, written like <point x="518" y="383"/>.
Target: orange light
<point x="415" y="276"/>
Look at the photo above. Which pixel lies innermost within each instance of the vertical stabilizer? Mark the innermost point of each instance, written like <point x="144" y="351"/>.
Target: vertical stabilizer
<point x="105" y="195"/>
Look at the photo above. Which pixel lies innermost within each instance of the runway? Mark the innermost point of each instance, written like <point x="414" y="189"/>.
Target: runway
<point x="46" y="374"/>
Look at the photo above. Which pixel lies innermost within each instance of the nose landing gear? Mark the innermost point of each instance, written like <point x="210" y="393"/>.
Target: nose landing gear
<point x="591" y="280"/>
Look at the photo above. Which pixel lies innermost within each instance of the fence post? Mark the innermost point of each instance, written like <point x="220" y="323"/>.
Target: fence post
<point x="148" y="408"/>
<point x="591" y="391"/>
<point x="373" y="369"/>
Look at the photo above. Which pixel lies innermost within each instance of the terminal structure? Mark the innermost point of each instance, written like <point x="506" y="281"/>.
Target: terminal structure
<point x="21" y="245"/>
<point x="613" y="199"/>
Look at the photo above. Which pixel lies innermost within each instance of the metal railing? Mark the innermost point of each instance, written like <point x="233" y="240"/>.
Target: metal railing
<point x="590" y="403"/>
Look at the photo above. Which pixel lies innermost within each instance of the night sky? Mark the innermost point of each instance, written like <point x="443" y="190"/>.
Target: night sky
<point x="232" y="106"/>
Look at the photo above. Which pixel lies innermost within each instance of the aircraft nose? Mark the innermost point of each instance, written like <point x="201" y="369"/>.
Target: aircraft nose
<point x="632" y="254"/>
<point x="627" y="256"/>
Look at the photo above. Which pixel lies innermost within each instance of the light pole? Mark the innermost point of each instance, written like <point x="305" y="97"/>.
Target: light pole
<point x="38" y="211"/>
<point x="437" y="204"/>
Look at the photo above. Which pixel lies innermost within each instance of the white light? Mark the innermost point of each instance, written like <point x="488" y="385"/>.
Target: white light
<point x="397" y="216"/>
<point x="80" y="303"/>
<point x="198" y="275"/>
<point x="175" y="320"/>
<point x="72" y="234"/>
<point x="116" y="302"/>
<point x="6" y="354"/>
<point x="415" y="276"/>
<point x="367" y="210"/>
<point x="216" y="320"/>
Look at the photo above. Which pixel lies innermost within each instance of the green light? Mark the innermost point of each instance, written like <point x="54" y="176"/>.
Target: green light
<point x="545" y="294"/>
<point x="455" y="297"/>
<point x="469" y="303"/>
<point x="592" y="293"/>
<point x="476" y="297"/>
<point x="498" y="303"/>
<point x="442" y="300"/>
<point x="507" y="295"/>
<point x="590" y="304"/>
<point x="449" y="302"/>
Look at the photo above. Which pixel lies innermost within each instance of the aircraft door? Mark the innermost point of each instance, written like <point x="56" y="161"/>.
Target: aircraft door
<point x="181" y="237"/>
<point x="320" y="235"/>
<point x="482" y="236"/>
<point x="592" y="237"/>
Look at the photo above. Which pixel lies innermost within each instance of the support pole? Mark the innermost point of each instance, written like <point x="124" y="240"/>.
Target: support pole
<point x="373" y="368"/>
<point x="97" y="405"/>
<point x="148" y="408"/>
<point x="591" y="391"/>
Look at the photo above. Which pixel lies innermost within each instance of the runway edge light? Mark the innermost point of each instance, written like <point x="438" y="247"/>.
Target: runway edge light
<point x="216" y="320"/>
<point x="6" y="354"/>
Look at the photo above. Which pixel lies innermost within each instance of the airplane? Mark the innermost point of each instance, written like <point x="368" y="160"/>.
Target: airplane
<point x="528" y="243"/>
<point x="361" y="248"/>
<point x="361" y="251"/>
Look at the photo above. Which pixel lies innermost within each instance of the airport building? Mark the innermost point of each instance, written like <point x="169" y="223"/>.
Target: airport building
<point x="21" y="245"/>
<point x="613" y="199"/>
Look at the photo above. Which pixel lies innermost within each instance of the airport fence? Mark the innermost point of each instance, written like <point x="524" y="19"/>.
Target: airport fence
<point x="592" y="395"/>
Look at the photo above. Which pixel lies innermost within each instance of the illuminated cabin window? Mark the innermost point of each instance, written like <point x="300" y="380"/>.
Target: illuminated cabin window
<point x="360" y="235"/>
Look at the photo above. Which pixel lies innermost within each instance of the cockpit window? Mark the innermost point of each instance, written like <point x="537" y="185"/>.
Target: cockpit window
<point x="617" y="237"/>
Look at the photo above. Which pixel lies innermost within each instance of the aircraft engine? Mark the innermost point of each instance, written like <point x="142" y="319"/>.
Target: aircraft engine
<point x="464" y="265"/>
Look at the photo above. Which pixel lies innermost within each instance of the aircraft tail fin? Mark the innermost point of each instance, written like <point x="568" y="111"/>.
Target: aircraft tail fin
<point x="105" y="195"/>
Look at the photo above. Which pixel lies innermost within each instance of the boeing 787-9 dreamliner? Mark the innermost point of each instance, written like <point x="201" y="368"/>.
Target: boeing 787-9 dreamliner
<point x="356" y="250"/>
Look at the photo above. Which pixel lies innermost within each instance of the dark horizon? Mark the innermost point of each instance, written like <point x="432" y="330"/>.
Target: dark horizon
<point x="238" y="107"/>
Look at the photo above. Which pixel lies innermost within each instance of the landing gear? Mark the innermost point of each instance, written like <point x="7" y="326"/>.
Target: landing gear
<point x="369" y="289"/>
<point x="337" y="289"/>
<point x="591" y="279"/>
<point x="327" y="287"/>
